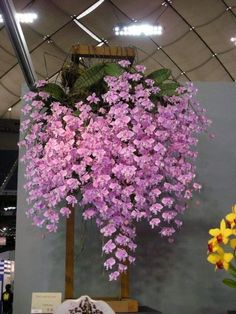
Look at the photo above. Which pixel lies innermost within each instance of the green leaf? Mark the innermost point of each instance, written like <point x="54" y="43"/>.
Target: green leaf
<point x="113" y="69"/>
<point x="154" y="98"/>
<point x="230" y="283"/>
<point x="91" y="76"/>
<point x="160" y="76"/>
<point x="55" y="91"/>
<point x="168" y="89"/>
<point x="76" y="113"/>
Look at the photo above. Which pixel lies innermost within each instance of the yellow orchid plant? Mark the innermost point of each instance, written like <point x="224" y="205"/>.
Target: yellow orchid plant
<point x="222" y="239"/>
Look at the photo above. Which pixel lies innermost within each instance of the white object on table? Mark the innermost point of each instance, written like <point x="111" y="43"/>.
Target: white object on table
<point x="74" y="306"/>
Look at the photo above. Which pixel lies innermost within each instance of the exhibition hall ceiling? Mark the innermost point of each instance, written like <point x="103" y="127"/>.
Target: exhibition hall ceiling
<point x="195" y="43"/>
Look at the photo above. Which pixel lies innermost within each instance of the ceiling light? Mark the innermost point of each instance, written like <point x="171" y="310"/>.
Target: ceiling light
<point x="138" y="30"/>
<point x="9" y="109"/>
<point x="9" y="208"/>
<point x="233" y="40"/>
<point x="23" y="17"/>
<point x="26" y="17"/>
<point x="4" y="229"/>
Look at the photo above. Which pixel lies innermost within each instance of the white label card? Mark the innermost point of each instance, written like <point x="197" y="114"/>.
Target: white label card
<point x="45" y="302"/>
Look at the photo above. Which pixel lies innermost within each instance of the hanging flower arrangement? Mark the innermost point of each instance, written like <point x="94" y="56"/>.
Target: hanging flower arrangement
<point x="117" y="143"/>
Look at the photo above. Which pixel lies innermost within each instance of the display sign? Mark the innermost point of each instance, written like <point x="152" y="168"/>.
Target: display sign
<point x="45" y="302"/>
<point x="3" y="241"/>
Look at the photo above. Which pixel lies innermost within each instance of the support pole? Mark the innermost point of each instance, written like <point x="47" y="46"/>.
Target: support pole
<point x="18" y="41"/>
<point x="69" y="258"/>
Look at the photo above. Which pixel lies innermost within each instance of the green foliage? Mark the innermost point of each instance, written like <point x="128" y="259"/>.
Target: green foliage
<point x="84" y="81"/>
<point x="69" y="74"/>
<point x="55" y="91"/>
<point x="230" y="283"/>
<point x="90" y="77"/>
<point x="76" y="113"/>
<point x="113" y="69"/>
<point x="96" y="73"/>
<point x="160" y="76"/>
<point x="168" y="89"/>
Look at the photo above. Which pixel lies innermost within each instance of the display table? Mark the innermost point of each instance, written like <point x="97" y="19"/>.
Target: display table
<point x="145" y="310"/>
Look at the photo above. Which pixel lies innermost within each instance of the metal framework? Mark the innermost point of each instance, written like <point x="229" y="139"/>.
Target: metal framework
<point x="161" y="48"/>
<point x="18" y="41"/>
<point x="204" y="42"/>
<point x="153" y="41"/>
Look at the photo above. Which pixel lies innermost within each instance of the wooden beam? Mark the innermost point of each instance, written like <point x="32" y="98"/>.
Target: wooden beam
<point x="69" y="258"/>
<point x="104" y="52"/>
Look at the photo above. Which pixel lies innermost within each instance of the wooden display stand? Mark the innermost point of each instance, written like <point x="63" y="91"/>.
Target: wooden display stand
<point x="119" y="305"/>
<point x="104" y="52"/>
<point x="124" y="303"/>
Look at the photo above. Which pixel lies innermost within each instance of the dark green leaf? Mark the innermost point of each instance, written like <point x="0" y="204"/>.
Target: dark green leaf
<point x="91" y="76"/>
<point x="155" y="98"/>
<point x="168" y="89"/>
<point x="113" y="69"/>
<point x="230" y="282"/>
<point x="55" y="91"/>
<point x="76" y="113"/>
<point x="160" y="76"/>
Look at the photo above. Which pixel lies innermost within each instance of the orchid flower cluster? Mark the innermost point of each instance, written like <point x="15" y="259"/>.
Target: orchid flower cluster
<point x="223" y="239"/>
<point x="120" y="156"/>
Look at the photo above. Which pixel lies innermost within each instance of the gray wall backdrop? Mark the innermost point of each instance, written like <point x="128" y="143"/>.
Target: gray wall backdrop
<point x="172" y="278"/>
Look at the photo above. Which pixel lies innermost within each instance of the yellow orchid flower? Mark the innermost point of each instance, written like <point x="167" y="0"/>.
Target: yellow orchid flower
<point x="233" y="244"/>
<point x="231" y="218"/>
<point x="212" y="245"/>
<point x="220" y="259"/>
<point x="222" y="234"/>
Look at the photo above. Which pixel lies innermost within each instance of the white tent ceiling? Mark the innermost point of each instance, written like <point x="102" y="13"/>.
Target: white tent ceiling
<point x="195" y="42"/>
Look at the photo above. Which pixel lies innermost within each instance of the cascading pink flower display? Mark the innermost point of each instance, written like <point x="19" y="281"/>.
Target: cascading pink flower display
<point x="131" y="160"/>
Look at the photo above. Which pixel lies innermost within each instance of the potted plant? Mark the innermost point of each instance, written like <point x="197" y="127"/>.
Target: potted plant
<point x="119" y="143"/>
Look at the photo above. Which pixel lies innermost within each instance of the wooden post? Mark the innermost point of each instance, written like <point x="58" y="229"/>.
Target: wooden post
<point x="69" y="261"/>
<point x="124" y="285"/>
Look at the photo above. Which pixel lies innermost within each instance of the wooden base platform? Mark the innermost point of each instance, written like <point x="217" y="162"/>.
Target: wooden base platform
<point x="123" y="305"/>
